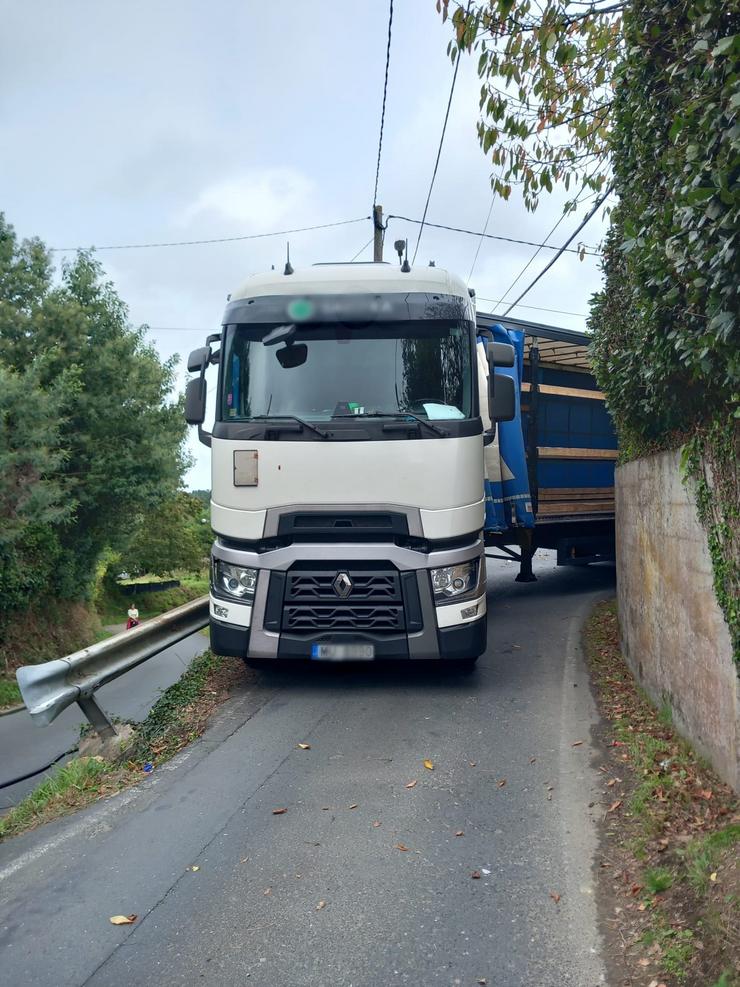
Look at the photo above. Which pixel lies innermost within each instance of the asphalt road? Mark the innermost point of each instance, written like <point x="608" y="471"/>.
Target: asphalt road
<point x="506" y="775"/>
<point x="24" y="746"/>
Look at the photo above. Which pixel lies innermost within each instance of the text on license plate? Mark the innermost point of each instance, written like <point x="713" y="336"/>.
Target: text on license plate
<point x="343" y="652"/>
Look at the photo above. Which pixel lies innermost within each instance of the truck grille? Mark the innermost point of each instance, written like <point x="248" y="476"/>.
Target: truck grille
<point x="367" y="587"/>
<point x="343" y="618"/>
<point x="313" y="602"/>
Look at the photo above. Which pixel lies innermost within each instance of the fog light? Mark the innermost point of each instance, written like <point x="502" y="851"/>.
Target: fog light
<point x="468" y="612"/>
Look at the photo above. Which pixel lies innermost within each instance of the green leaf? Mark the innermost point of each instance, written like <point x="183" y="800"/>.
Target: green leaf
<point x="725" y="45"/>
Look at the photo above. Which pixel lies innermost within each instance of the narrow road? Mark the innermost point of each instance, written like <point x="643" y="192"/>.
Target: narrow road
<point x="324" y="894"/>
<point x="24" y="746"/>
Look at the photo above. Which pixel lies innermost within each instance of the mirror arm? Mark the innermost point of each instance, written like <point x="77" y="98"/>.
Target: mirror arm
<point x="204" y="437"/>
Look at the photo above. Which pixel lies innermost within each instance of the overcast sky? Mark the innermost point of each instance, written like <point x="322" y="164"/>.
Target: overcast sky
<point x="158" y="121"/>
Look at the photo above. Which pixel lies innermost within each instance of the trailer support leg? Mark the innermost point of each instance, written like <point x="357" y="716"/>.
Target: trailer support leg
<point x="525" y="574"/>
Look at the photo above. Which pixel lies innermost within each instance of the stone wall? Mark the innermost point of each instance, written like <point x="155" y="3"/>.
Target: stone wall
<point x="674" y="635"/>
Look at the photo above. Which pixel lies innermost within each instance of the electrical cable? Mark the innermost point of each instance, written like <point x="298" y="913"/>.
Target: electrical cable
<point x="531" y="259"/>
<point x="480" y="242"/>
<point x="362" y="249"/>
<point x="589" y="252"/>
<point x="222" y="239"/>
<point x="599" y="202"/>
<point x="382" y="113"/>
<point x="534" y="255"/>
<point x="535" y="308"/>
<point x="439" y="153"/>
<point x="32" y="774"/>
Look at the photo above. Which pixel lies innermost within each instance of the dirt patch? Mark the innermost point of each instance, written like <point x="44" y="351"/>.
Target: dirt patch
<point x="668" y="874"/>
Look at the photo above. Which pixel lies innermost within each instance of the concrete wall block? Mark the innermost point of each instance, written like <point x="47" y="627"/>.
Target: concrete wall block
<point x="674" y="635"/>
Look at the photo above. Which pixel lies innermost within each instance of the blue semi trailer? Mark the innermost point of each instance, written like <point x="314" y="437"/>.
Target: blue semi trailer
<point x="550" y="476"/>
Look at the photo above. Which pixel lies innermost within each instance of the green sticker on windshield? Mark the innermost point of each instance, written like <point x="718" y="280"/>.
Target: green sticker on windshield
<point x="300" y="309"/>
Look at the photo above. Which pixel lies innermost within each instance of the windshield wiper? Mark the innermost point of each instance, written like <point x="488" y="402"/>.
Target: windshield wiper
<point x="397" y="415"/>
<point x="292" y="418"/>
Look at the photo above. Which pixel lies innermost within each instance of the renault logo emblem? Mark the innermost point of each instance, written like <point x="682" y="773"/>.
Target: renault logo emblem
<point x="342" y="585"/>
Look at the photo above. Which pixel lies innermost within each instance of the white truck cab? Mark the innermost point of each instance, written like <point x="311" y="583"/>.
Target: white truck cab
<point x="347" y="466"/>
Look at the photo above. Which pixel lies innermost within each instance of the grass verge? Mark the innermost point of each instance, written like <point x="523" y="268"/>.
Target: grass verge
<point x="669" y="878"/>
<point x="10" y="694"/>
<point x="178" y="717"/>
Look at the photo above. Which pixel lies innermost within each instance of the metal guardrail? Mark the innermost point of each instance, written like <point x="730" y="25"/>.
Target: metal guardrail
<point x="49" y="688"/>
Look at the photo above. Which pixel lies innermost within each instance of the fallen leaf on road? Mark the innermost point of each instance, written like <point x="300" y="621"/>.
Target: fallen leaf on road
<point x="304" y="747"/>
<point x="555" y="896"/>
<point x="482" y="981"/>
<point x="641" y="907"/>
<point x="353" y="806"/>
<point x="484" y="871"/>
<point x="267" y="891"/>
<point x="321" y="904"/>
<point x="614" y="805"/>
<point x="713" y="876"/>
<point x="501" y="783"/>
<point x="195" y="867"/>
<point x="401" y="846"/>
<point x="122" y="919"/>
<point x="476" y="875"/>
<point x="429" y="765"/>
<point x="411" y="784"/>
<point x="376" y="823"/>
<point x="613" y="781"/>
<point x="644" y="961"/>
<point x="460" y="832"/>
<point x="532" y="760"/>
<point x="576" y="743"/>
<point x="325" y="808"/>
<point x="279" y="812"/>
<point x="472" y="763"/>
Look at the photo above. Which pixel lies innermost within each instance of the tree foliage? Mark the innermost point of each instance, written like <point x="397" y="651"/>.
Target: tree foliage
<point x="547" y="89"/>
<point x="174" y="535"/>
<point x="89" y="434"/>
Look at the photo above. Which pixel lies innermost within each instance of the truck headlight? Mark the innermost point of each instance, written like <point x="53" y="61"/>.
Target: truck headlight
<point x="454" y="580"/>
<point x="234" y="580"/>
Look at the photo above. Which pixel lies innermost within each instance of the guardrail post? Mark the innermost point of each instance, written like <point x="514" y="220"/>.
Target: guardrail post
<point x="97" y="717"/>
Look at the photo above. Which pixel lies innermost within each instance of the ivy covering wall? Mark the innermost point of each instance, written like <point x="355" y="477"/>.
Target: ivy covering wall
<point x="666" y="329"/>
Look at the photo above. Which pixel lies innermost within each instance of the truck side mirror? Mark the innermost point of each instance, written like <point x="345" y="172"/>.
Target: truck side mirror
<point x="500" y="355"/>
<point x="501" y="397"/>
<point x="195" y="401"/>
<point x="199" y="359"/>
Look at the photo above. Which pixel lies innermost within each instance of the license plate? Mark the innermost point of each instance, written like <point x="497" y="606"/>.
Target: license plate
<point x="343" y="652"/>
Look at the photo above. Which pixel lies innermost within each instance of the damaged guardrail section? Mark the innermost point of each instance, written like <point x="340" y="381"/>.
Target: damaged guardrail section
<point x="49" y="688"/>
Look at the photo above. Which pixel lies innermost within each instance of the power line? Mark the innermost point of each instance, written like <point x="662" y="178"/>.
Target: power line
<point x="439" y="153"/>
<point x="480" y="242"/>
<point x="588" y="252"/>
<point x="362" y="249"/>
<point x="562" y="249"/>
<point x="382" y="114"/>
<point x="534" y="255"/>
<point x="222" y="239"/>
<point x="532" y="258"/>
<point x="535" y="308"/>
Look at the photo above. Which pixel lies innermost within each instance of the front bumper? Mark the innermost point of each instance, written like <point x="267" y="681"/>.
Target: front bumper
<point x="397" y="614"/>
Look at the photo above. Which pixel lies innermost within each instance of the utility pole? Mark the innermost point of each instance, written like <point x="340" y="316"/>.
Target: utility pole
<point x="378" y="227"/>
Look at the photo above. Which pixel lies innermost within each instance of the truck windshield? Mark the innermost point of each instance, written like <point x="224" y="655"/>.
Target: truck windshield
<point x="416" y="367"/>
